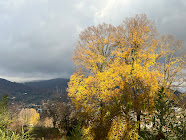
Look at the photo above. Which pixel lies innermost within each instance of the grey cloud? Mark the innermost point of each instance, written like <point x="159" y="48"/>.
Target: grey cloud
<point x="37" y="36"/>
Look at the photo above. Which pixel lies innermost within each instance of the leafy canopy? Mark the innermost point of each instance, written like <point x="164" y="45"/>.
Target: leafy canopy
<point x="121" y="67"/>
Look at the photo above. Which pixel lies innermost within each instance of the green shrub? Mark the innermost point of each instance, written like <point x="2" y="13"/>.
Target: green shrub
<point x="5" y="120"/>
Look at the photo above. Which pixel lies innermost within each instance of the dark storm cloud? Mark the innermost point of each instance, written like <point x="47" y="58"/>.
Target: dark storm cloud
<point x="37" y="36"/>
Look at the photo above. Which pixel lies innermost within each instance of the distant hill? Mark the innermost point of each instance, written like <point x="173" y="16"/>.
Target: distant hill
<point x="177" y="93"/>
<point x="51" y="84"/>
<point x="21" y="92"/>
<point x="34" y="92"/>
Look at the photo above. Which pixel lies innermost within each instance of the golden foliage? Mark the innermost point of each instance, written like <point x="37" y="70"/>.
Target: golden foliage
<point x="123" y="63"/>
<point x="123" y="130"/>
<point x="29" y="116"/>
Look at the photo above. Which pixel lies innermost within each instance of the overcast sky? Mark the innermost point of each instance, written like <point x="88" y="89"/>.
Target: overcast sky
<point x="37" y="36"/>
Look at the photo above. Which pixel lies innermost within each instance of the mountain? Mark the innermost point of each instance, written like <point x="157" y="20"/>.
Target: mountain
<point x="23" y="93"/>
<point x="35" y="91"/>
<point x="177" y="93"/>
<point x="51" y="84"/>
<point x="57" y="86"/>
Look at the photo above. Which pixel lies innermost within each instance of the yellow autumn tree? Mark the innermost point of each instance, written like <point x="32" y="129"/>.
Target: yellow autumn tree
<point x="119" y="71"/>
<point x="93" y="56"/>
<point x="173" y="57"/>
<point x="29" y="116"/>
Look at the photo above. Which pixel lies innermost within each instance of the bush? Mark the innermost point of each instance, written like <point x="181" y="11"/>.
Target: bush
<point x="5" y="120"/>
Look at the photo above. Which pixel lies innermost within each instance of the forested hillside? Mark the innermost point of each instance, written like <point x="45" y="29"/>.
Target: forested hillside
<point x="51" y="84"/>
<point x="34" y="92"/>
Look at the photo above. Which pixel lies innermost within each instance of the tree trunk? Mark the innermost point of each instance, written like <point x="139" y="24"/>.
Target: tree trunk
<point x="138" y="120"/>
